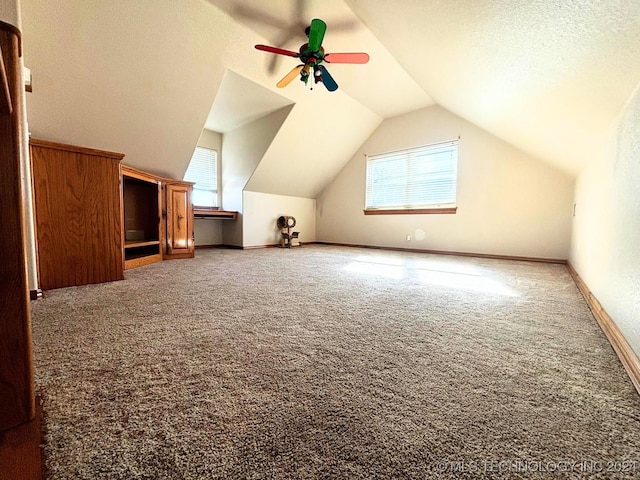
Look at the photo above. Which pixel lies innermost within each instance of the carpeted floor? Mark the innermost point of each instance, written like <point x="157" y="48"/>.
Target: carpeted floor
<point x="331" y="363"/>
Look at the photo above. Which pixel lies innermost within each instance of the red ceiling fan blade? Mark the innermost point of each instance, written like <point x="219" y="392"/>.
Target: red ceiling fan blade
<point x="279" y="51"/>
<point x="289" y="77"/>
<point x="346" y="57"/>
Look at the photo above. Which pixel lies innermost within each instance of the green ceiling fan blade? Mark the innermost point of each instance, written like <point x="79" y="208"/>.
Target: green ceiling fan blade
<point x="289" y="76"/>
<point x="316" y="34"/>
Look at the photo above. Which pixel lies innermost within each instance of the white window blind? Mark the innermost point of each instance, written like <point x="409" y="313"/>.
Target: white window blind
<point x="203" y="170"/>
<point x="414" y="178"/>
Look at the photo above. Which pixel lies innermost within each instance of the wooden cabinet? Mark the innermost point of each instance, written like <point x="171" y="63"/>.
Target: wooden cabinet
<point x="157" y="216"/>
<point x="95" y="218"/>
<point x="179" y="220"/>
<point x="78" y="214"/>
<point x="141" y="210"/>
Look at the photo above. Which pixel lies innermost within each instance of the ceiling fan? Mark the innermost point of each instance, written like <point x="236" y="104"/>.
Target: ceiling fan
<point x="312" y="55"/>
<point x="284" y="26"/>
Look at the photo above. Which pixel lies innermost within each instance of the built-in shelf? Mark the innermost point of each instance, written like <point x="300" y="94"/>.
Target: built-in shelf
<point x="133" y="243"/>
<point x="214" y="214"/>
<point x="141" y="195"/>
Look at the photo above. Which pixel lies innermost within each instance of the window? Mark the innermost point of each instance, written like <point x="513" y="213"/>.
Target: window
<point x="203" y="170"/>
<point x="414" y="180"/>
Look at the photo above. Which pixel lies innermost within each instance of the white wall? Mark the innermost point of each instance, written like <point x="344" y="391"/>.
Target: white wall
<point x="509" y="203"/>
<point x="606" y="229"/>
<point x="10" y="12"/>
<point x="126" y="76"/>
<point x="261" y="211"/>
<point x="242" y="150"/>
<point x="143" y="83"/>
<point x="311" y="149"/>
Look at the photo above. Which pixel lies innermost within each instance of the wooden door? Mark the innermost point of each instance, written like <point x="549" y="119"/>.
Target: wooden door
<point x="179" y="221"/>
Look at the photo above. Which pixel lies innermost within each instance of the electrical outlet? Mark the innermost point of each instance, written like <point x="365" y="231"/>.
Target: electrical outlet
<point x="408" y="238"/>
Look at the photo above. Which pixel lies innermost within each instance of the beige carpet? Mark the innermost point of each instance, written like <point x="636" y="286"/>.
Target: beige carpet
<point x="331" y="363"/>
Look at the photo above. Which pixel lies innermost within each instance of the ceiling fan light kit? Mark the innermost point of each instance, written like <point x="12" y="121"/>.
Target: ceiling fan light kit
<point x="312" y="55"/>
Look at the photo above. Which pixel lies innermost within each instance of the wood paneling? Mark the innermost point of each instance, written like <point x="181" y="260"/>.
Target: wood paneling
<point x="6" y="104"/>
<point x="141" y="210"/>
<point x="16" y="368"/>
<point x="78" y="214"/>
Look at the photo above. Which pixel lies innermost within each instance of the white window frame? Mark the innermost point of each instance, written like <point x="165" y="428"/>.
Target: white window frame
<point x="195" y="176"/>
<point x="443" y="201"/>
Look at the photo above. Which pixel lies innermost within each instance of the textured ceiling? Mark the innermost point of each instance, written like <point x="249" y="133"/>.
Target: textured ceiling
<point x="142" y="77"/>
<point x="382" y="85"/>
<point x="547" y="76"/>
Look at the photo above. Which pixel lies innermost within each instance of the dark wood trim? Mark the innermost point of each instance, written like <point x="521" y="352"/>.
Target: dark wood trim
<point x="6" y="106"/>
<point x="127" y="171"/>
<point x="17" y="400"/>
<point x="133" y="243"/>
<point x="445" y="252"/>
<point x="7" y="27"/>
<point x="35" y="294"/>
<point x="75" y="149"/>
<point x="217" y="245"/>
<point x="142" y="261"/>
<point x="627" y="356"/>
<point x="20" y="450"/>
<point x="412" y="211"/>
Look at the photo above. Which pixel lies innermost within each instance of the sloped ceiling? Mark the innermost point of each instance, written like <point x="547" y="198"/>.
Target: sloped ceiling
<point x="141" y="77"/>
<point x="309" y="150"/>
<point x="547" y="76"/>
<point x="124" y="76"/>
<point x="240" y="101"/>
<point x="382" y="85"/>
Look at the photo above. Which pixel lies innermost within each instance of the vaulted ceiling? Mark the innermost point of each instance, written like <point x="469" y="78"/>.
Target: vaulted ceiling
<point x="547" y="76"/>
<point x="144" y="77"/>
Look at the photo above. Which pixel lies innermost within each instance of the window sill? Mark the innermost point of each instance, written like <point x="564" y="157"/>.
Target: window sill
<point x="413" y="211"/>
